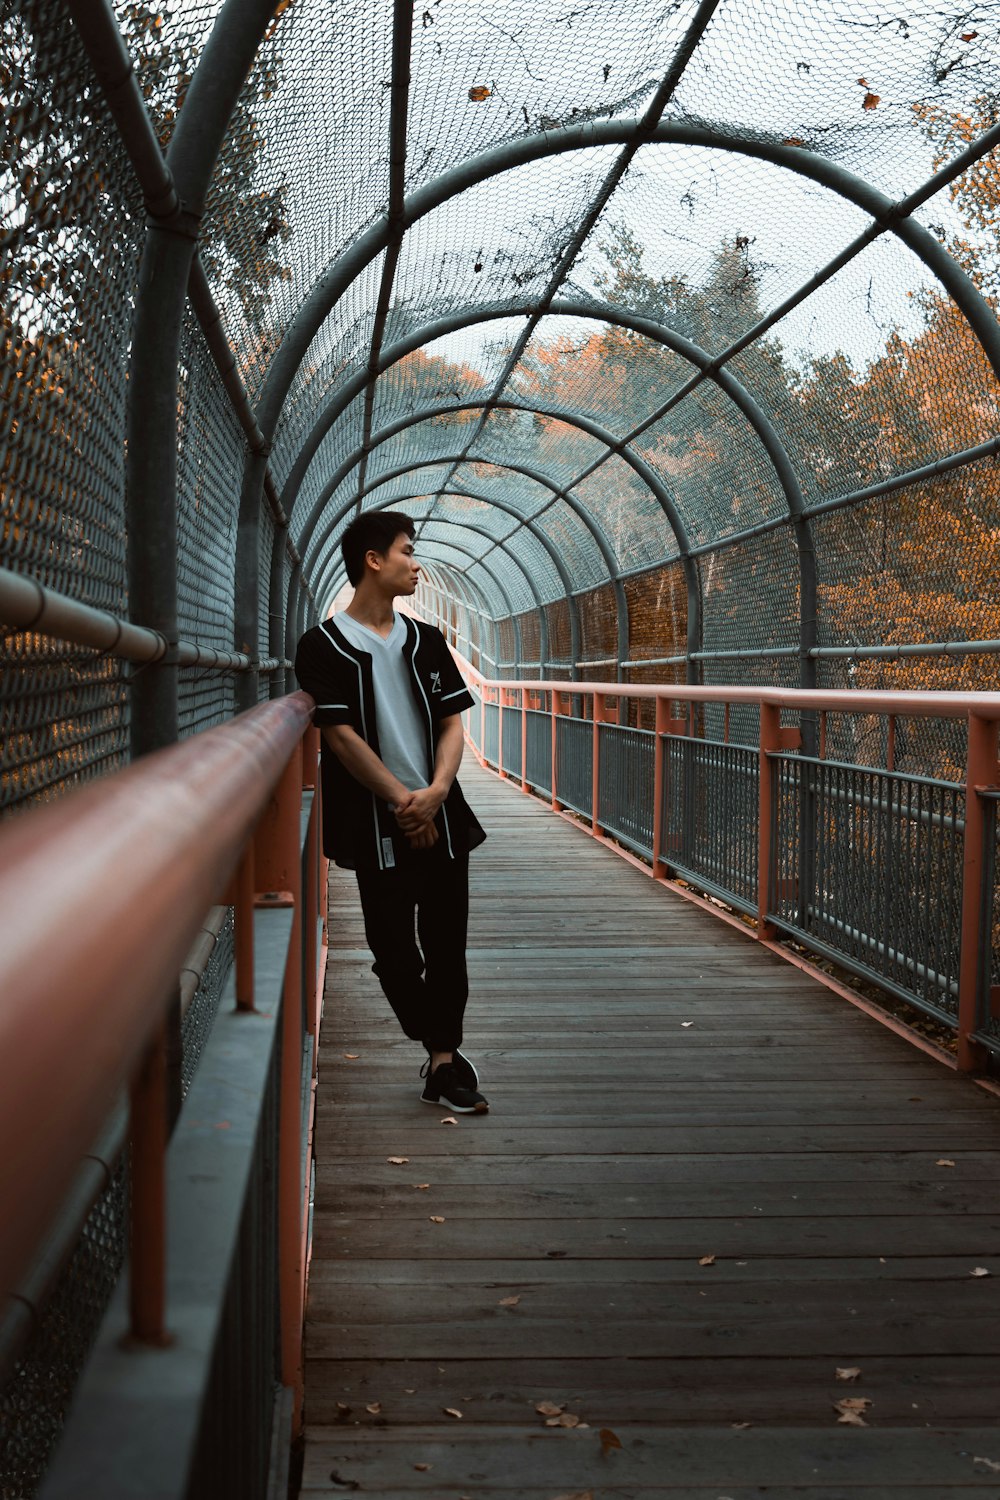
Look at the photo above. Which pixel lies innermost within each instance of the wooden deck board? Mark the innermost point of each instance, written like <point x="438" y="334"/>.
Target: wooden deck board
<point x="782" y="1131"/>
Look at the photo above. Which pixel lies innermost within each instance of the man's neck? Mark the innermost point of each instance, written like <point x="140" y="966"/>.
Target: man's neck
<point x="373" y="610"/>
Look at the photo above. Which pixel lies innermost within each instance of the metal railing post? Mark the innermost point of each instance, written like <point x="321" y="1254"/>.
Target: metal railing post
<point x="243" y="920"/>
<point x="278" y="862"/>
<point x="661" y="728"/>
<point x="148" y="1196"/>
<point x="982" y="771"/>
<point x="524" y="740"/>
<point x="770" y="738"/>
<point x="601" y="716"/>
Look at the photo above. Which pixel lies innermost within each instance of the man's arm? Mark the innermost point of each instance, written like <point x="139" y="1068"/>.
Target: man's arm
<point x="365" y="766"/>
<point x="421" y="808"/>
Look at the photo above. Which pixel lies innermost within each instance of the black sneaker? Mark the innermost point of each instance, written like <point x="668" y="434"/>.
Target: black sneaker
<point x="443" y="1087"/>
<point x="465" y="1069"/>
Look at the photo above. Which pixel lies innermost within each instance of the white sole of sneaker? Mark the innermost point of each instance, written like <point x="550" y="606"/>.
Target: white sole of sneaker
<point x="459" y="1109"/>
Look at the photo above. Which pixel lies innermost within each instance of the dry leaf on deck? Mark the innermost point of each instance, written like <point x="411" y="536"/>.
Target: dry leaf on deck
<point x="576" y="1495"/>
<point x="979" y="1271"/>
<point x="740" y="1426"/>
<point x="397" y="1161"/>
<point x="848" y="1372"/>
<point x="548" y="1409"/>
<point x="707" y="1260"/>
<point x="421" y="1184"/>
<point x="944" y="1161"/>
<point x="345" y="1411"/>
<point x="849" y="1409"/>
<point x="375" y="1409"/>
<point x="565" y="1419"/>
<point x="436" y="1219"/>
<point x="352" y="1056"/>
<point x="452" y="1411"/>
<point x="449" y="1120"/>
<point x="687" y="1023"/>
<point x="609" y="1440"/>
<point x="508" y="1301"/>
<point x="988" y="1463"/>
<point x="421" y="1468"/>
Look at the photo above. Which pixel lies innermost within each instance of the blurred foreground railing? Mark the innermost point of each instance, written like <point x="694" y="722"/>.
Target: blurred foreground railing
<point x="194" y="1387"/>
<point x="892" y="876"/>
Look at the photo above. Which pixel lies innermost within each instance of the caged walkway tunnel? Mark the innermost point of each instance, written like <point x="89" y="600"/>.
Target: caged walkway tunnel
<point x="674" y="329"/>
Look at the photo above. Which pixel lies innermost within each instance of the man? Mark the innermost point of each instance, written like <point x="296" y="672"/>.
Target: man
<point x="389" y="699"/>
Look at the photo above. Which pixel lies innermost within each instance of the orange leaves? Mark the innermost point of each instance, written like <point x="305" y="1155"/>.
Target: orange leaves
<point x="870" y="101"/>
<point x="478" y="93"/>
<point x="609" y="1441"/>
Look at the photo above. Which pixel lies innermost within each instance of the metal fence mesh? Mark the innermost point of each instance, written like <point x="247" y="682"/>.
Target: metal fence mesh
<point x="658" y="369"/>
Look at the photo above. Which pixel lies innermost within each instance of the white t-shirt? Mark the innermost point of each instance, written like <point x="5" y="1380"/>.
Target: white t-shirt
<point x="402" y="736"/>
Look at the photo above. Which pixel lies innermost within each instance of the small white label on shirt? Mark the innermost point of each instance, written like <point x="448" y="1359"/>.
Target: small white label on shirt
<point x="435" y="682"/>
<point x="388" y="854"/>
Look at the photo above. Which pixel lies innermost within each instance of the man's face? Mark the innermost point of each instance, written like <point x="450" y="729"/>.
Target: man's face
<point x="398" y="571"/>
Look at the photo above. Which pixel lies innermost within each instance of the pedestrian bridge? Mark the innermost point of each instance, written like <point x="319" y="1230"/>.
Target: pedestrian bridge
<point x="672" y="327"/>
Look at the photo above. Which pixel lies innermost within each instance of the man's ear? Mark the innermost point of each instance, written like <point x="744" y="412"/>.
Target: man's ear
<point x="374" y="559"/>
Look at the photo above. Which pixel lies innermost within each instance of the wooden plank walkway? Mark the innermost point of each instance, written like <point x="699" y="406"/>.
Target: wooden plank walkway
<point x="662" y="1091"/>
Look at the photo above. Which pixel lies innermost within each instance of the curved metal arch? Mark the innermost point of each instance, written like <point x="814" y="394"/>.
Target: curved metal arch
<point x="531" y="526"/>
<point x="511" y="613"/>
<point x="886" y="214"/>
<point x="331" y="285"/>
<point x="480" y="531"/>
<point x="589" y="521"/>
<point x="463" y="587"/>
<point x="610" y="562"/>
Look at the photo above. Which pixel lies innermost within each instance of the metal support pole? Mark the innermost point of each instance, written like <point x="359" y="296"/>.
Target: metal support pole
<point x="982" y="771"/>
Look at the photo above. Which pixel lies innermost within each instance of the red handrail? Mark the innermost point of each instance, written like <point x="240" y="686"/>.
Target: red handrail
<point x="102" y="894"/>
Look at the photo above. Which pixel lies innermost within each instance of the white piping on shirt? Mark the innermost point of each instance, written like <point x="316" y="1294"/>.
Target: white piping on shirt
<point x="331" y="705"/>
<point x="455" y="694"/>
<point x="364" y="727"/>
<point x="430" y="721"/>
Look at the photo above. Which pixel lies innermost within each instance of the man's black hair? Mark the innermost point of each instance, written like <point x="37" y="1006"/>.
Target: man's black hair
<point x="372" y="531"/>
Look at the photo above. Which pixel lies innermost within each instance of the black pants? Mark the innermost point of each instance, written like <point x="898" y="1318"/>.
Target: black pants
<point x="427" y="986"/>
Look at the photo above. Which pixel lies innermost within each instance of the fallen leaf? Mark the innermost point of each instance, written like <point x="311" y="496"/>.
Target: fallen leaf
<point x="345" y="1411"/>
<point x="793" y="140"/>
<point x="988" y="1463"/>
<point x="863" y="82"/>
<point x="979" y="1271"/>
<point x="707" y="1260"/>
<point x="576" y="1495"/>
<point x="609" y="1440"/>
<point x="564" y="1419"/>
<point x="375" y="1409"/>
<point x="944" y="1161"/>
<point x="409" y="1390"/>
<point x="478" y="93"/>
<point x="452" y="1411"/>
<point x="352" y="1056"/>
<point x="449" y="1120"/>
<point x="549" y="1409"/>
<point x="687" y="1023"/>
<point x="849" y="1409"/>
<point x="970" y="36"/>
<point x="421" y="1468"/>
<point x="421" y="1184"/>
<point x="848" y="1372"/>
<point x="871" y="101"/>
<point x="740" y="1426"/>
<point x="397" y="1161"/>
<point x="508" y="1301"/>
<point x="436" y="1219"/>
